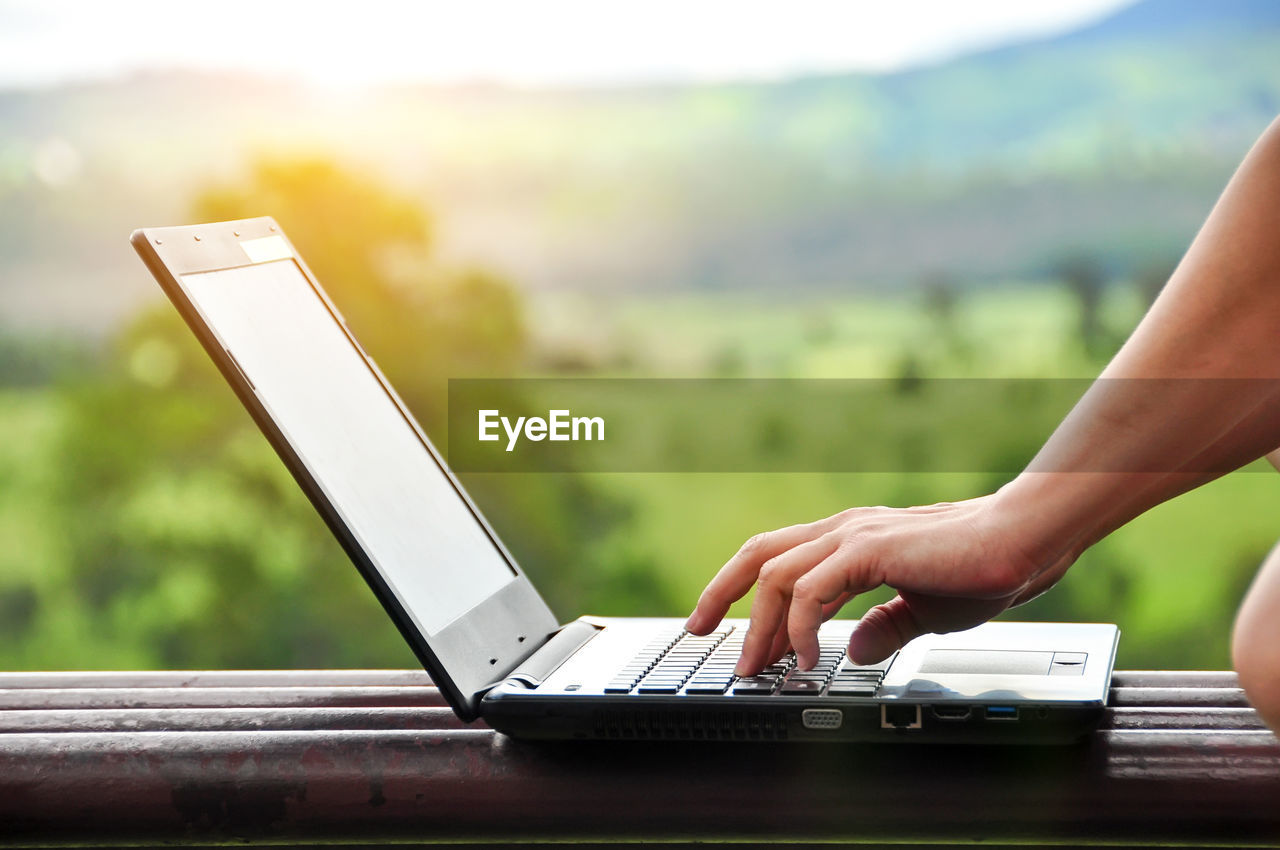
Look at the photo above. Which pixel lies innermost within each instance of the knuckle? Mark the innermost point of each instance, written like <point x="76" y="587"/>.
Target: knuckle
<point x="851" y="540"/>
<point x="803" y="588"/>
<point x="756" y="543"/>
<point x="770" y="574"/>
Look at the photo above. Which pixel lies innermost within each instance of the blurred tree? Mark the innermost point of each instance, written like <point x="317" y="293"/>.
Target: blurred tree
<point x="1085" y="278"/>
<point x="941" y="297"/>
<point x="189" y="543"/>
<point x="1151" y="278"/>
<point x="370" y="249"/>
<point x="940" y="293"/>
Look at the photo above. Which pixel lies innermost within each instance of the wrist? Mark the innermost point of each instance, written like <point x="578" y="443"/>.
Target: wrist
<point x="1054" y="516"/>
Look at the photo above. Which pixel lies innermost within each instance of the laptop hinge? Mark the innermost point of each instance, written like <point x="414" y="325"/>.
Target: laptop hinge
<point x="535" y="669"/>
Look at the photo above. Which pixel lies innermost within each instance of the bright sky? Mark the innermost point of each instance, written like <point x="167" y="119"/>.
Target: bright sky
<point x="524" y="42"/>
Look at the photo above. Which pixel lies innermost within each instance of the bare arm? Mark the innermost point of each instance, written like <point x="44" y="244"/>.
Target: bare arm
<point x="1215" y="331"/>
<point x="1133" y="441"/>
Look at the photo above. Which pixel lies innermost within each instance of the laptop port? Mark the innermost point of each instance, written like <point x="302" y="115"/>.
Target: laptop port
<point x="822" y="718"/>
<point x="954" y="713"/>
<point x="1002" y="712"/>
<point x="899" y="716"/>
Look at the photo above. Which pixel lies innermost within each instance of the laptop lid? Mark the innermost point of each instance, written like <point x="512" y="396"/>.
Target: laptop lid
<point x="453" y="590"/>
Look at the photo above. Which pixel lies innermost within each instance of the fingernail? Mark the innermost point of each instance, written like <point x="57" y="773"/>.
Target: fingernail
<point x="691" y="625"/>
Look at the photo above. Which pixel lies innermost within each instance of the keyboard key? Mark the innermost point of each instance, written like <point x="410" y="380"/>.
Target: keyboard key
<point x="669" y="661"/>
<point x="803" y="686"/>
<point x="880" y="665"/>
<point x="703" y="676"/>
<point x="666" y="688"/>
<point x="748" y="686"/>
<point x="852" y="689"/>
<point x="706" y="688"/>
<point x="806" y="676"/>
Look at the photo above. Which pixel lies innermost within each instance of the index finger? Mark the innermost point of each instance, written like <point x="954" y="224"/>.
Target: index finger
<point x="833" y="580"/>
<point x="738" y="575"/>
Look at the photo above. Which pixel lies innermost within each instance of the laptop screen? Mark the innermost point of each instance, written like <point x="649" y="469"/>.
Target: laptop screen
<point x="358" y="447"/>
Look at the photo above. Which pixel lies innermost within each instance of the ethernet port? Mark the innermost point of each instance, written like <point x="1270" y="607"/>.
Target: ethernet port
<point x="900" y="716"/>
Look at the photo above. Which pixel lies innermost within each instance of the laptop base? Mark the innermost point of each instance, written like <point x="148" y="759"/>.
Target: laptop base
<point x="1000" y="683"/>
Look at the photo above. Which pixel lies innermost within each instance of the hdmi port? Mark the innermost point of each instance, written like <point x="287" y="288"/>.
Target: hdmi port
<point x="951" y="712"/>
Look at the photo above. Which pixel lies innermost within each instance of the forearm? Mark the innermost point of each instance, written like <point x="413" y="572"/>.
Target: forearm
<point x="1194" y="393"/>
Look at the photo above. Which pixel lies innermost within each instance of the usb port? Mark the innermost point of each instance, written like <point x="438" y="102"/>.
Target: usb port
<point x="1002" y="712"/>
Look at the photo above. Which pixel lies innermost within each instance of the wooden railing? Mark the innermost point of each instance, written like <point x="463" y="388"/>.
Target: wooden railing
<point x="363" y="757"/>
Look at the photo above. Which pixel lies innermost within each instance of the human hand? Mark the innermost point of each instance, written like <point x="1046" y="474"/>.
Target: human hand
<point x="954" y="565"/>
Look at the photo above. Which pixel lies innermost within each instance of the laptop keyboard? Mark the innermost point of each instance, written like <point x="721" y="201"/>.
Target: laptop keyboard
<point x="680" y="662"/>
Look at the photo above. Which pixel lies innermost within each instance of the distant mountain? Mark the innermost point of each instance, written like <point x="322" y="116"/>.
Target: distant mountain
<point x="1112" y="141"/>
<point x="1164" y="19"/>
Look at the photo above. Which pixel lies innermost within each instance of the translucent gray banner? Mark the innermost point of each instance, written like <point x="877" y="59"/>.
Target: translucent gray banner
<point x="780" y="425"/>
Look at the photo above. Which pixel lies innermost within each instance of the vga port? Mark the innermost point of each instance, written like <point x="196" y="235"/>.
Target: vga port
<point x="822" y="718"/>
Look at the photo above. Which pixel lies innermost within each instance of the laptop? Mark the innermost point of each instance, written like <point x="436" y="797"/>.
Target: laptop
<point x="475" y="620"/>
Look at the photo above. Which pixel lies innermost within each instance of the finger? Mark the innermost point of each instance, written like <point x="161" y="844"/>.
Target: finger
<point x="830" y="609"/>
<point x="835" y="577"/>
<point x="782" y="643"/>
<point x="762" y="634"/>
<point x="737" y="576"/>
<point x="882" y="631"/>
<point x="773" y="594"/>
<point x="781" y="646"/>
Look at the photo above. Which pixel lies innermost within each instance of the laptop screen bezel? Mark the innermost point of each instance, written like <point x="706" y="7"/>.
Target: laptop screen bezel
<point x="476" y="649"/>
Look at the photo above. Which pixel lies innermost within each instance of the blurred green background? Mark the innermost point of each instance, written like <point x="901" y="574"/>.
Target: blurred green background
<point x="1004" y="214"/>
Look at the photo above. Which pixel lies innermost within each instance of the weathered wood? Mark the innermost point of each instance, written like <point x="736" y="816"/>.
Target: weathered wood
<point x="226" y="719"/>
<point x="216" y="679"/>
<point x="213" y="697"/>
<point x="362" y="757"/>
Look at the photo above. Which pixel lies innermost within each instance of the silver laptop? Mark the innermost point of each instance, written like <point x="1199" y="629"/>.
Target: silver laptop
<point x="478" y="625"/>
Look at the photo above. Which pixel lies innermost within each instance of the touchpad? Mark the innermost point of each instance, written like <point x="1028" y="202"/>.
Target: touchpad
<point x="1005" y="662"/>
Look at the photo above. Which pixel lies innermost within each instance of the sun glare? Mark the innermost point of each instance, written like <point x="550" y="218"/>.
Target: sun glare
<point x="551" y="42"/>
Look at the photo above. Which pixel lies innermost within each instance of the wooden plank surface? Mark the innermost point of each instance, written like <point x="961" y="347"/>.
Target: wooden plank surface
<point x="361" y="757"/>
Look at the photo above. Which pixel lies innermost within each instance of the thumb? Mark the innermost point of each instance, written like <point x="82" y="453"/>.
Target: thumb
<point x="886" y="628"/>
<point x="882" y="631"/>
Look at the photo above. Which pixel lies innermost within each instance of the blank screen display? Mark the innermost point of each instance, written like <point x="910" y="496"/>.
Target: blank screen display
<point x="367" y="459"/>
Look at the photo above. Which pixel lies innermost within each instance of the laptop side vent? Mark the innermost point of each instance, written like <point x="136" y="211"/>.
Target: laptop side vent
<point x="658" y="724"/>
